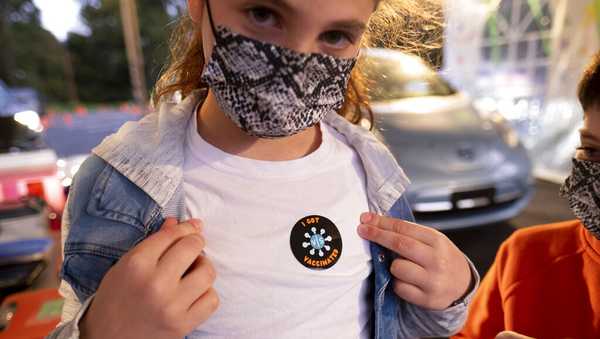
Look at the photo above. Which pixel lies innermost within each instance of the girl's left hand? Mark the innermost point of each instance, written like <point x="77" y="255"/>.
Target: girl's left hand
<point x="511" y="335"/>
<point x="431" y="271"/>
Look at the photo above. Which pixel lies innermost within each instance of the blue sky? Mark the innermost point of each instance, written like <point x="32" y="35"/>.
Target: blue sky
<point x="60" y="16"/>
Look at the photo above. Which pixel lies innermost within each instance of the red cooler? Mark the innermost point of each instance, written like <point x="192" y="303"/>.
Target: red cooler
<point x="30" y="315"/>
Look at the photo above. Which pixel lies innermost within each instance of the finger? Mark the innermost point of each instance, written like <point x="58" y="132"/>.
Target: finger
<point x="197" y="281"/>
<point x="196" y="223"/>
<point x="202" y="308"/>
<point x="421" y="233"/>
<point x="178" y="258"/>
<point x="405" y="246"/>
<point x="410" y="293"/>
<point x="511" y="335"/>
<point x="155" y="245"/>
<point x="409" y="272"/>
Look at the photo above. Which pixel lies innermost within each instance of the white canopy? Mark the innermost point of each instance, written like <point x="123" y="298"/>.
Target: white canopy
<point x="523" y="58"/>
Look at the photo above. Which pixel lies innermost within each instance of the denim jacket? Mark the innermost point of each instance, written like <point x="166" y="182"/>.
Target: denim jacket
<point x="133" y="180"/>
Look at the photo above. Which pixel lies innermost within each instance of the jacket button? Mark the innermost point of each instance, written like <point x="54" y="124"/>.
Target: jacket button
<point x="381" y="257"/>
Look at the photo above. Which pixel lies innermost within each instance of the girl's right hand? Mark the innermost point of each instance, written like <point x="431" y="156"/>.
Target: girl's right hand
<point x="162" y="288"/>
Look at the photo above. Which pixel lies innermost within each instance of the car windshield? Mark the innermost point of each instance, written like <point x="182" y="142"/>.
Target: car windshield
<point x="400" y="78"/>
<point x="15" y="137"/>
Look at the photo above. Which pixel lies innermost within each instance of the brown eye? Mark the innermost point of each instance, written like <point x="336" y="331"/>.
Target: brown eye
<point x="337" y="39"/>
<point x="263" y="16"/>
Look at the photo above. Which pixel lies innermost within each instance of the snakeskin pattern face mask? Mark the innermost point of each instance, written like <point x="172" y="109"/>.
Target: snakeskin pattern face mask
<point x="269" y="91"/>
<point x="582" y="189"/>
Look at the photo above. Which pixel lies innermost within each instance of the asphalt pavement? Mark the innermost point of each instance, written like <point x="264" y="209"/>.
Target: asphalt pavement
<point x="77" y="133"/>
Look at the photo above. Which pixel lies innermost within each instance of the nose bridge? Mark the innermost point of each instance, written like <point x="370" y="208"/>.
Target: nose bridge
<point x="302" y="40"/>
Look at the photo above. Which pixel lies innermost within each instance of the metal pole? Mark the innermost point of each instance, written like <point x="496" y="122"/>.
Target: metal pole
<point x="70" y="76"/>
<point x="131" y="31"/>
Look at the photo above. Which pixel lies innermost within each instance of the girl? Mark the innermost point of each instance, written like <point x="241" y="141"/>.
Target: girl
<point x="263" y="149"/>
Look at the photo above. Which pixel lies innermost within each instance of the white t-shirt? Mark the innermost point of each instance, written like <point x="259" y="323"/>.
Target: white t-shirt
<point x="282" y="236"/>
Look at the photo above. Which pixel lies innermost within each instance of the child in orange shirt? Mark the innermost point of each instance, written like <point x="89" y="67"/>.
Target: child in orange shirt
<point x="545" y="281"/>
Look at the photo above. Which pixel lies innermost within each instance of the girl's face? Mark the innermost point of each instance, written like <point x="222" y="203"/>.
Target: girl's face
<point x="590" y="136"/>
<point x="333" y="27"/>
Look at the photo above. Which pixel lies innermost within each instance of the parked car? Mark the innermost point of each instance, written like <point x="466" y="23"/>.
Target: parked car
<point x="31" y="198"/>
<point x="467" y="168"/>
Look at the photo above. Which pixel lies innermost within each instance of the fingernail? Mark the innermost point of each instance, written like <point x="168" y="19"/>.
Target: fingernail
<point x="366" y="217"/>
<point x="170" y="221"/>
<point x="196" y="223"/>
<point x="362" y="230"/>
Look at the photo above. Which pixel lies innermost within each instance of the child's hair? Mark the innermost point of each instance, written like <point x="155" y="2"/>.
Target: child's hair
<point x="589" y="86"/>
<point x="412" y="26"/>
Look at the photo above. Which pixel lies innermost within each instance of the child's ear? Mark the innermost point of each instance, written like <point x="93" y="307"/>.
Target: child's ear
<point x="196" y="8"/>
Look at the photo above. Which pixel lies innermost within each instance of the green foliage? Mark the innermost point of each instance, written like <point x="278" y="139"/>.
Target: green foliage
<point x="30" y="56"/>
<point x="100" y="59"/>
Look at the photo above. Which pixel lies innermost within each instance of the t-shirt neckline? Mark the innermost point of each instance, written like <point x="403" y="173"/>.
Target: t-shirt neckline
<point x="218" y="159"/>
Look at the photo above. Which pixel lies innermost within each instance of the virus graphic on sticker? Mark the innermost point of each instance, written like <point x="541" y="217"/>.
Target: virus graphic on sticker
<point x="317" y="241"/>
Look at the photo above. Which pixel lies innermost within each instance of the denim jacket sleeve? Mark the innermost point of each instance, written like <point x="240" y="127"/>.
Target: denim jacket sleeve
<point x="418" y="322"/>
<point x="106" y="215"/>
<point x="73" y="310"/>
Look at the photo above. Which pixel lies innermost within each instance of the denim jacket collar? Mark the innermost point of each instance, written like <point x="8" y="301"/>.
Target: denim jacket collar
<point x="150" y="153"/>
<point x="149" y="156"/>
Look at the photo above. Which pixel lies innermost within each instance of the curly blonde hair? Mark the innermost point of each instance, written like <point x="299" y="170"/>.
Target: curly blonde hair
<point x="412" y="26"/>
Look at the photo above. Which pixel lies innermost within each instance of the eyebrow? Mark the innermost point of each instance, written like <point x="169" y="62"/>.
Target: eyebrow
<point x="283" y="5"/>
<point x="352" y="25"/>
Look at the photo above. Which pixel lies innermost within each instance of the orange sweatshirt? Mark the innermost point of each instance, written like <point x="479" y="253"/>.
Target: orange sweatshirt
<point x="544" y="283"/>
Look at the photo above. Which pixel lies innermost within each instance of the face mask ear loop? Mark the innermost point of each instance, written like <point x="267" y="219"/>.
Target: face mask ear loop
<point x="210" y="19"/>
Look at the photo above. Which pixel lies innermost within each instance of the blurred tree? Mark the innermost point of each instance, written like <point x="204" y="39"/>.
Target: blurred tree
<point x="100" y="60"/>
<point x="30" y="56"/>
<point x="7" y="58"/>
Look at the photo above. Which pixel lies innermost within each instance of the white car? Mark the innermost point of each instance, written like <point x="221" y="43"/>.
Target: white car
<point x="467" y="168"/>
